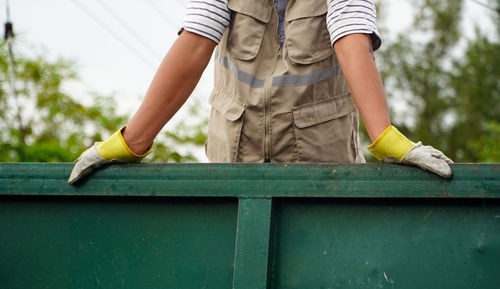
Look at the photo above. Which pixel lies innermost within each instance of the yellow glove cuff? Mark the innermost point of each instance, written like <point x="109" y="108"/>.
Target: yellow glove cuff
<point x="391" y="143"/>
<point x="115" y="148"/>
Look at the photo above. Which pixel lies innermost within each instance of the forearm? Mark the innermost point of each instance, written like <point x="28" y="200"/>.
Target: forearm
<point x="175" y="79"/>
<point x="356" y="59"/>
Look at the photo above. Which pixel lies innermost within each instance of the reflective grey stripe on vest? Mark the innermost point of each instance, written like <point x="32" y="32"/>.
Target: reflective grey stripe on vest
<point x="278" y="81"/>
<point x="305" y="79"/>
<point x="241" y="76"/>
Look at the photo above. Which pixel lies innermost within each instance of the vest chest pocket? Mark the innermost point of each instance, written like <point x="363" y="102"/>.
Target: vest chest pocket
<point x="249" y="19"/>
<point x="307" y="37"/>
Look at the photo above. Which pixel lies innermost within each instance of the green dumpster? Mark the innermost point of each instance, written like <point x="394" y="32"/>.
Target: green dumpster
<point x="249" y="226"/>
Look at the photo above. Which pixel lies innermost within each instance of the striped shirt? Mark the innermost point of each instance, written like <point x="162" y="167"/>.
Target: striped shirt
<point x="210" y="18"/>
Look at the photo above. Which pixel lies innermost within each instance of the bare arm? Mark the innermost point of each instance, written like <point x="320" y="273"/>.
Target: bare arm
<point x="175" y="79"/>
<point x="356" y="58"/>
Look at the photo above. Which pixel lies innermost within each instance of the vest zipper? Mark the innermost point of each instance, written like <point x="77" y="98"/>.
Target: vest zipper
<point x="267" y="108"/>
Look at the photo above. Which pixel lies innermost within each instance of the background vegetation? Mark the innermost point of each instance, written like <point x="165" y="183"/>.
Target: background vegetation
<point x="450" y="83"/>
<point x="39" y="122"/>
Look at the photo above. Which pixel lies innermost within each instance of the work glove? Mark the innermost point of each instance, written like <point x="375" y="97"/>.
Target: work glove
<point x="112" y="150"/>
<point x="393" y="147"/>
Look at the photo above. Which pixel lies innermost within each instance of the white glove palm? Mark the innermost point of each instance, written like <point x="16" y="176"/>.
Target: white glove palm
<point x="393" y="147"/>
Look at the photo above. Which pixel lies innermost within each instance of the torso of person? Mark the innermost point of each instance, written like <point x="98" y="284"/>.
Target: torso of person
<point x="280" y="95"/>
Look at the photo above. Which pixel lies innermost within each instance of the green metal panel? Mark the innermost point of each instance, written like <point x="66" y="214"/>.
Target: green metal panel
<point x="116" y="243"/>
<point x="381" y="243"/>
<point x="213" y="226"/>
<point x="252" y="244"/>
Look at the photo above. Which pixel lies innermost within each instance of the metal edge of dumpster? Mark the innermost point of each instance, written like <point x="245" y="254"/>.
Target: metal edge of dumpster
<point x="249" y="226"/>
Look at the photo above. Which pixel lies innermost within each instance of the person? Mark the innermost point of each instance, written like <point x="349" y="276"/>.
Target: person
<point x="290" y="78"/>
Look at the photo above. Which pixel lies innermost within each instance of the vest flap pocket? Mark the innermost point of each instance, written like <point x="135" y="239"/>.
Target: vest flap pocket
<point x="308" y="40"/>
<point x="307" y="8"/>
<point x="324" y="110"/>
<point x="258" y="9"/>
<point x="227" y="106"/>
<point x="247" y="28"/>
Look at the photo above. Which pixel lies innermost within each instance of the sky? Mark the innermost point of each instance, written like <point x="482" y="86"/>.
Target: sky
<point x="118" y="44"/>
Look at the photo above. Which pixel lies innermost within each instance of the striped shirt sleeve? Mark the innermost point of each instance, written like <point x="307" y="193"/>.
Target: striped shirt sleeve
<point x="207" y="18"/>
<point x="346" y="17"/>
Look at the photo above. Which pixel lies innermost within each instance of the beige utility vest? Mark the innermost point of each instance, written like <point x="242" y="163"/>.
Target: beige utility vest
<point x="273" y="104"/>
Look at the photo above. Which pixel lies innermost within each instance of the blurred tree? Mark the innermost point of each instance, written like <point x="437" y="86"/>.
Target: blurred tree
<point x="450" y="84"/>
<point x="39" y="122"/>
<point x="185" y="137"/>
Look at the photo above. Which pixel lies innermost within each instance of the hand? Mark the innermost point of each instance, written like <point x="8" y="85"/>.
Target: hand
<point x="429" y="158"/>
<point x="393" y="147"/>
<point x="112" y="150"/>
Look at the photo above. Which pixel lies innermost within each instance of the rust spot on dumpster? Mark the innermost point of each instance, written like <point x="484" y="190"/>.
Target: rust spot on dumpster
<point x="446" y="193"/>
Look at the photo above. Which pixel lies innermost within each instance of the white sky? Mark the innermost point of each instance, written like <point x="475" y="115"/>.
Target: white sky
<point x="62" y="28"/>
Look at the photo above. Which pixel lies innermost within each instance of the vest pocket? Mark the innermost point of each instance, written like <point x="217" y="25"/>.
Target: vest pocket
<point x="224" y="127"/>
<point x="307" y="37"/>
<point x="249" y="20"/>
<point x="325" y="130"/>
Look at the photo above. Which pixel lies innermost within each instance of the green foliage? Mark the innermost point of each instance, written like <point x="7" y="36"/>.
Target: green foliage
<point x="185" y="136"/>
<point x="39" y="122"/>
<point x="487" y="144"/>
<point x="451" y="85"/>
